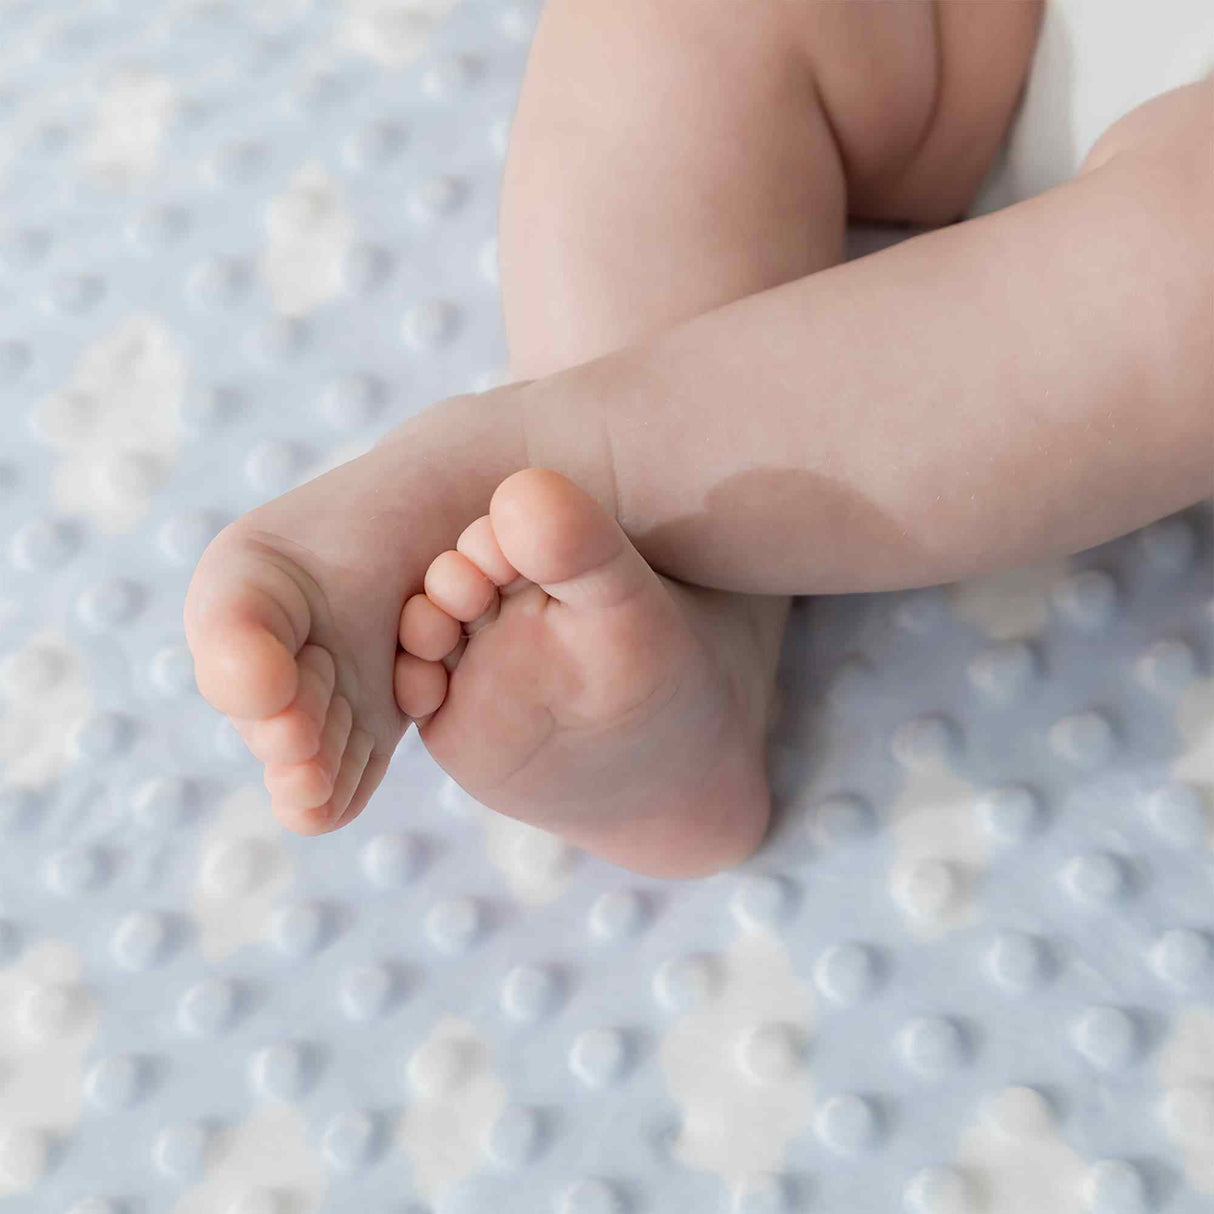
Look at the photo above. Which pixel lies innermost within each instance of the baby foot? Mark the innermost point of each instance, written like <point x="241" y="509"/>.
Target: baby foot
<point x="293" y="612"/>
<point x="560" y="680"/>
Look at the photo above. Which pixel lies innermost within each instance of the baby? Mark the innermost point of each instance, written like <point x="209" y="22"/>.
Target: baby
<point x="576" y="585"/>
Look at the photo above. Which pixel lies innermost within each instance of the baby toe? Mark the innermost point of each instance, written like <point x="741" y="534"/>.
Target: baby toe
<point x="295" y="786"/>
<point x="332" y="812"/>
<point x="245" y="619"/>
<point x="559" y="537"/>
<point x="420" y="686"/>
<point x="426" y="630"/>
<point x="455" y="585"/>
<point x="478" y="543"/>
<point x="293" y="735"/>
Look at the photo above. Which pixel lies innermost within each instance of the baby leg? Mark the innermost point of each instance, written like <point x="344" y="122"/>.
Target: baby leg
<point x="667" y="157"/>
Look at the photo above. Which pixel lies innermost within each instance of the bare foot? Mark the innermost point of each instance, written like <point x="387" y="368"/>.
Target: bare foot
<point x="587" y="694"/>
<point x="293" y="612"/>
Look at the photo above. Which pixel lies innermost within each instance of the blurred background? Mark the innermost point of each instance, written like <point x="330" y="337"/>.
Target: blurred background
<point x="973" y="968"/>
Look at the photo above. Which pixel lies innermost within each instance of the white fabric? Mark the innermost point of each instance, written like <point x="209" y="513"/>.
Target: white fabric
<point x="1095" y="61"/>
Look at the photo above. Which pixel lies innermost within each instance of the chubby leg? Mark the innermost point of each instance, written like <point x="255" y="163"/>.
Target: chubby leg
<point x="667" y="156"/>
<point x="1030" y="382"/>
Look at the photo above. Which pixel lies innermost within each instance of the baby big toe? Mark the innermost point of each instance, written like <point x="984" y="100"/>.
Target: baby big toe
<point x="245" y="617"/>
<point x="558" y="536"/>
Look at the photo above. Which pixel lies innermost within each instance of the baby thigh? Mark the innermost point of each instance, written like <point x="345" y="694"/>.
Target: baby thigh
<point x="668" y="156"/>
